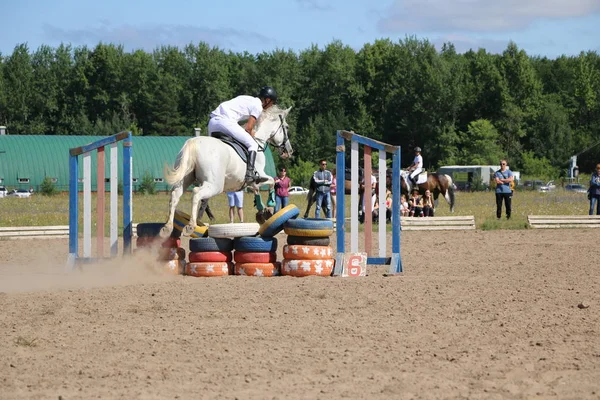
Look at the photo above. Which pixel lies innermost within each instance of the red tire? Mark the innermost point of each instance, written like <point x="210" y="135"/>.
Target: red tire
<point x="171" y="243"/>
<point x="146" y="241"/>
<point x="252" y="257"/>
<point x="307" y="267"/>
<point x="210" y="256"/>
<point x="209" y="269"/>
<point x="303" y="252"/>
<point x="258" y="269"/>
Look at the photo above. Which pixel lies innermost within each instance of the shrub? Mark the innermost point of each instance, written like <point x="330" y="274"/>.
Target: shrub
<point x="48" y="188"/>
<point x="148" y="186"/>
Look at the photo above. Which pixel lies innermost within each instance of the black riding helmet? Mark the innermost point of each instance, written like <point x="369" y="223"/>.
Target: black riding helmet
<point x="267" y="92"/>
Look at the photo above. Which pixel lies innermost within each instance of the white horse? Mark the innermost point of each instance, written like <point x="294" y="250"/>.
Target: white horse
<point x="216" y="167"/>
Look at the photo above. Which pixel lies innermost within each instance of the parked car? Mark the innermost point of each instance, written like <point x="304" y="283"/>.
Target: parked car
<point x="575" y="187"/>
<point x="533" y="184"/>
<point x="297" y="190"/>
<point x="21" y="193"/>
<point x="548" y="187"/>
<point x="3" y="191"/>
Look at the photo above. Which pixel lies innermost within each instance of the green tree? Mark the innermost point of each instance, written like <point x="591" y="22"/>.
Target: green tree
<point x="480" y="144"/>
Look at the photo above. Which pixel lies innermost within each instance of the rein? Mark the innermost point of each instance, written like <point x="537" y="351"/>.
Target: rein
<point x="263" y="144"/>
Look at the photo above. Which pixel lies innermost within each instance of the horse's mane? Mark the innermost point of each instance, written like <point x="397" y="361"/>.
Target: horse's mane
<point x="270" y="112"/>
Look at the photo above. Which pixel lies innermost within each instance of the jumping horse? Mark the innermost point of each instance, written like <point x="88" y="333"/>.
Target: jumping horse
<point x="215" y="167"/>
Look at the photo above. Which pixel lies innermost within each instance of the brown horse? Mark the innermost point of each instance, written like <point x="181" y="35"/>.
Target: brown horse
<point x="437" y="184"/>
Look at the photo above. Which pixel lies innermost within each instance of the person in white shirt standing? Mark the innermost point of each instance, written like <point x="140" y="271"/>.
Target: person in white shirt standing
<point x="417" y="166"/>
<point x="226" y="117"/>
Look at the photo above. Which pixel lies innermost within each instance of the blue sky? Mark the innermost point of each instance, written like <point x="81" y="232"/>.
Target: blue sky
<point x="540" y="27"/>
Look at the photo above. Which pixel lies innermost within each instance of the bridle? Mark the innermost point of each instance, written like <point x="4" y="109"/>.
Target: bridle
<point x="283" y="147"/>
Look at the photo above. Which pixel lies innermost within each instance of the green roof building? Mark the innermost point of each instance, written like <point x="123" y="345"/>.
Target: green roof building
<point x="25" y="160"/>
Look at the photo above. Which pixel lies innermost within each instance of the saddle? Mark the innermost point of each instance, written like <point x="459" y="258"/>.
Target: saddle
<point x="238" y="146"/>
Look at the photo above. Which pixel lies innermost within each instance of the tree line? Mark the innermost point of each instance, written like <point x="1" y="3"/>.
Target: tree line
<point x="471" y="108"/>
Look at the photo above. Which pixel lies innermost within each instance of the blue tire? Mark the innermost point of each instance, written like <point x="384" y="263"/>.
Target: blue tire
<point x="316" y="224"/>
<point x="149" y="229"/>
<point x="255" y="244"/>
<point x="274" y="225"/>
<point x="210" y="244"/>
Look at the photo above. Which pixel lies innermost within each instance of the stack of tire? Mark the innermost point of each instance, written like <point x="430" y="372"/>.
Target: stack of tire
<point x="212" y="256"/>
<point x="181" y="219"/>
<point x="257" y="256"/>
<point x="308" y="251"/>
<point x="170" y="252"/>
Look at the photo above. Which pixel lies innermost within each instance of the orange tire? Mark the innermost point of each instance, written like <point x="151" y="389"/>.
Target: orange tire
<point x="258" y="269"/>
<point x="302" y="252"/>
<point x="254" y="257"/>
<point x="209" y="269"/>
<point x="210" y="256"/>
<point x="307" y="267"/>
<point x="174" y="267"/>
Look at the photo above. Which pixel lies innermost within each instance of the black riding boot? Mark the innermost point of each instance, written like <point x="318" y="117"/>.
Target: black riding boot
<point x="251" y="175"/>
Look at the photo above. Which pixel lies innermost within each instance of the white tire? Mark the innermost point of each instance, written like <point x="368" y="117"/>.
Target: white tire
<point x="233" y="230"/>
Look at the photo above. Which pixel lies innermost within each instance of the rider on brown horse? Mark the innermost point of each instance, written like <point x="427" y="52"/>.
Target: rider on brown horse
<point x="416" y="167"/>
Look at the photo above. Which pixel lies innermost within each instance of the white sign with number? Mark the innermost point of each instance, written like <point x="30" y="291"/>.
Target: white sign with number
<point x="355" y="264"/>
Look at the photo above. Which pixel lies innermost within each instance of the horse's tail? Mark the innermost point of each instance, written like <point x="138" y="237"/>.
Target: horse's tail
<point x="184" y="164"/>
<point x="450" y="197"/>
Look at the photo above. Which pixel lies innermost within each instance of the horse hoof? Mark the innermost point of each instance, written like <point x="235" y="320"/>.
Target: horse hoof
<point x="188" y="230"/>
<point x="166" y="231"/>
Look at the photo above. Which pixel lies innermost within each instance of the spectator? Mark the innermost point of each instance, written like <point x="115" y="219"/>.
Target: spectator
<point x="282" y="185"/>
<point x="236" y="200"/>
<point x="333" y="191"/>
<point x="404" y="208"/>
<point x="323" y="180"/>
<point x="503" y="178"/>
<point x="594" y="191"/>
<point x="428" y="207"/>
<point x="416" y="209"/>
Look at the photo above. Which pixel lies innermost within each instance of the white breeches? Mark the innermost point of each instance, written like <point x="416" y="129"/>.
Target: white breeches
<point x="218" y="124"/>
<point x="416" y="172"/>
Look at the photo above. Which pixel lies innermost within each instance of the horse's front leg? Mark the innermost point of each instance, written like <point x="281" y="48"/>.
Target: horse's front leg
<point x="264" y="212"/>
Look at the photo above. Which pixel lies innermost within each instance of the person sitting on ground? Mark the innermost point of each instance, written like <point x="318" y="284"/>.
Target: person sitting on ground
<point x="404" y="208"/>
<point x="226" y="117"/>
<point x="417" y="204"/>
<point x="428" y="207"/>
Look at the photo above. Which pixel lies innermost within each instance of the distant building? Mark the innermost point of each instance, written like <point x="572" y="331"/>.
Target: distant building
<point x="25" y="160"/>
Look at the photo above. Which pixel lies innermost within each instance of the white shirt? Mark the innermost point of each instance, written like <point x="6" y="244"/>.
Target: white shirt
<point x="239" y="109"/>
<point x="418" y="161"/>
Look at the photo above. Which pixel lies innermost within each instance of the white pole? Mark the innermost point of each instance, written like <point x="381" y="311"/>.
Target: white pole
<point x="114" y="198"/>
<point x="354" y="198"/>
<point x="382" y="208"/>
<point x="87" y="205"/>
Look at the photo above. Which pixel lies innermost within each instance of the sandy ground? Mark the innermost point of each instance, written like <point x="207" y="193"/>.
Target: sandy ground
<point x="478" y="315"/>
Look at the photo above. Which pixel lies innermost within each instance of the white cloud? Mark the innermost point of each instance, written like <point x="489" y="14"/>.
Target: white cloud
<point x="315" y="5"/>
<point x="149" y="37"/>
<point x="478" y="15"/>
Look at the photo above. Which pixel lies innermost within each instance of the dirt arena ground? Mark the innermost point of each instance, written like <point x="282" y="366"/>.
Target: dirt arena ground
<point x="478" y="315"/>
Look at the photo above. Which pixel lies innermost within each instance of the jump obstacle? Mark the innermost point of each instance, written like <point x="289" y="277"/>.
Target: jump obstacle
<point x="86" y="152"/>
<point x="355" y="140"/>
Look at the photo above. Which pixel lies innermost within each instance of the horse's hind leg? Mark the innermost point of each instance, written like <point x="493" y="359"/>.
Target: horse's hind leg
<point x="176" y="194"/>
<point x="204" y="191"/>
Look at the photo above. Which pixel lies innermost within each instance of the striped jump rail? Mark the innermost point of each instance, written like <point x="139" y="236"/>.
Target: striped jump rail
<point x="563" y="221"/>
<point x="437" y="223"/>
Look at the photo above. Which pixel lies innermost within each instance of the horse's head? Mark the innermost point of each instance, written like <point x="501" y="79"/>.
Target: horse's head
<point x="273" y="128"/>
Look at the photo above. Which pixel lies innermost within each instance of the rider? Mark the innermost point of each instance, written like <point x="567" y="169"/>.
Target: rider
<point x="417" y="166"/>
<point x="226" y="117"/>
